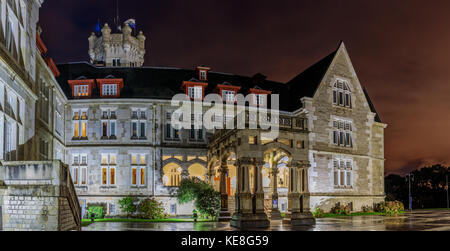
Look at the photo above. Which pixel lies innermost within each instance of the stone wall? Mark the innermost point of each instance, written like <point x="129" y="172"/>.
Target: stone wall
<point x="38" y="196"/>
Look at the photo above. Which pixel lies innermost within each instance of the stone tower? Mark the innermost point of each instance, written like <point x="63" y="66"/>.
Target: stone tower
<point x="117" y="49"/>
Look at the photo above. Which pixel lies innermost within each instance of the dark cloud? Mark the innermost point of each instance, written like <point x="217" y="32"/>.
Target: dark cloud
<point x="399" y="50"/>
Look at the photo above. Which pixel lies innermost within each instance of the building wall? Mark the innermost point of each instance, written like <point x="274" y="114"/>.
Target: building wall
<point x="366" y="153"/>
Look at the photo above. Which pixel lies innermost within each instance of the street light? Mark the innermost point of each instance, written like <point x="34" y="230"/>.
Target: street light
<point x="409" y="178"/>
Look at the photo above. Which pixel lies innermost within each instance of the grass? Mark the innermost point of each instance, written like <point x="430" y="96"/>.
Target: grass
<point x="87" y="222"/>
<point x="329" y="215"/>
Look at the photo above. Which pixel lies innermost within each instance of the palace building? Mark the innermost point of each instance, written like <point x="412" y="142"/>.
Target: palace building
<point x="109" y="120"/>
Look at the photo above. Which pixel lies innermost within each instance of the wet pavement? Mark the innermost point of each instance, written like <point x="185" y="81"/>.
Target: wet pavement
<point x="421" y="220"/>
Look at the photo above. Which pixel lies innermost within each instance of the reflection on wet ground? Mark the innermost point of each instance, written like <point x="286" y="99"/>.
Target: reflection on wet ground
<point x="424" y="220"/>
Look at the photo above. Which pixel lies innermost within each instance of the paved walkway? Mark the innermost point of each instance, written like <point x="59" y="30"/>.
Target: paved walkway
<point x="423" y="220"/>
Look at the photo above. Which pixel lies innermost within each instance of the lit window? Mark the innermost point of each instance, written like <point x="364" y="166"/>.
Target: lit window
<point x="108" y="124"/>
<point x="79" y="125"/>
<point x="138" y="126"/>
<point x="81" y="91"/>
<point x="138" y="168"/>
<point x="108" y="169"/>
<point x="79" y="170"/>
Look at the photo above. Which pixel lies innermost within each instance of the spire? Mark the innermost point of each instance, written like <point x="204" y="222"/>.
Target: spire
<point x="117" y="19"/>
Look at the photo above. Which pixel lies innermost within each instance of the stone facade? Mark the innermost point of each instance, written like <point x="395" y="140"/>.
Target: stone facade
<point x="38" y="196"/>
<point x="117" y="49"/>
<point x="366" y="154"/>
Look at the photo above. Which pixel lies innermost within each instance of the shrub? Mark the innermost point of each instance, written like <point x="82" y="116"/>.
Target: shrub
<point x="206" y="199"/>
<point x="96" y="210"/>
<point x="151" y="209"/>
<point x="318" y="213"/>
<point x="340" y="209"/>
<point x="389" y="207"/>
<point x="367" y="209"/>
<point x="128" y="205"/>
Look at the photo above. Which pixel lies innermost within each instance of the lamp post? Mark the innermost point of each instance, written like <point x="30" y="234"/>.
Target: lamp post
<point x="446" y="188"/>
<point x="409" y="178"/>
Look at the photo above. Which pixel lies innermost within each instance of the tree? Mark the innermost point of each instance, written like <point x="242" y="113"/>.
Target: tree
<point x="151" y="209"/>
<point x="127" y="205"/>
<point x="206" y="199"/>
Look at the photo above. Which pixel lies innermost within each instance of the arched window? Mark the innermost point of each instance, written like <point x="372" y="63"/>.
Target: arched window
<point x="197" y="170"/>
<point x="172" y="175"/>
<point x="342" y="94"/>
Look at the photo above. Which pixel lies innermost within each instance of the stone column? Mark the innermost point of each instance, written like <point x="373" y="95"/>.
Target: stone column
<point x="259" y="190"/>
<point x="224" y="214"/>
<point x="243" y="217"/>
<point x="274" y="212"/>
<point x="293" y="194"/>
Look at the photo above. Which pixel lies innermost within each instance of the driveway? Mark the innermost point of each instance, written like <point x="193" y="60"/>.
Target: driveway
<point x="420" y="220"/>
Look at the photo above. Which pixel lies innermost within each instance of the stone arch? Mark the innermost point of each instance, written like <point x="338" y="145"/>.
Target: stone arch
<point x="197" y="170"/>
<point x="171" y="174"/>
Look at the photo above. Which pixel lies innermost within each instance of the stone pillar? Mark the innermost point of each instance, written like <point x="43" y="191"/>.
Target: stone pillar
<point x="243" y="217"/>
<point x="224" y="214"/>
<point x="274" y="212"/>
<point x="259" y="190"/>
<point x="295" y="215"/>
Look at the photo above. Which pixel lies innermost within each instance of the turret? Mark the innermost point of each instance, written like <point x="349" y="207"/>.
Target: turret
<point x="121" y="49"/>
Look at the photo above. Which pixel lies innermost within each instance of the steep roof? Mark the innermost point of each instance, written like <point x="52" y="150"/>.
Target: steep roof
<point x="164" y="83"/>
<point x="306" y="83"/>
<point x="155" y="82"/>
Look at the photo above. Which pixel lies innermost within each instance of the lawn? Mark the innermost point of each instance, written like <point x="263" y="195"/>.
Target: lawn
<point x="87" y="222"/>
<point x="329" y="215"/>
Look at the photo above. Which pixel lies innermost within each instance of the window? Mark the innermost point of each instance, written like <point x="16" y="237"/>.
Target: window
<point x="59" y="118"/>
<point x="79" y="169"/>
<point x="79" y="125"/>
<point x="342" y="133"/>
<point x="342" y="95"/>
<point x="202" y="75"/>
<point x="8" y="141"/>
<point x="116" y="62"/>
<point x="343" y="173"/>
<point x="172" y="175"/>
<point x="139" y="124"/>
<point x="138" y="169"/>
<point x="195" y="134"/>
<point x="81" y="90"/>
<point x="171" y="133"/>
<point x="229" y="96"/>
<point x="9" y="36"/>
<point x="108" y="169"/>
<point x="195" y="92"/>
<point x="44" y="101"/>
<point x="43" y="149"/>
<point x="259" y="99"/>
<point x="109" y="90"/>
<point x="108" y="124"/>
<point x="173" y="208"/>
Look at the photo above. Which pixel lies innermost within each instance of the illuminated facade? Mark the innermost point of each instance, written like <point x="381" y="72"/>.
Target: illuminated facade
<point x="110" y="121"/>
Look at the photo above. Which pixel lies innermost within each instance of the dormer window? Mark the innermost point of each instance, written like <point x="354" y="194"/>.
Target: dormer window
<point x="82" y="87"/>
<point x="81" y="91"/>
<point x="203" y="73"/>
<point x="229" y="96"/>
<point x="110" y="87"/>
<point x="259" y="97"/>
<point x="228" y="92"/>
<point x="109" y="90"/>
<point x="195" y="92"/>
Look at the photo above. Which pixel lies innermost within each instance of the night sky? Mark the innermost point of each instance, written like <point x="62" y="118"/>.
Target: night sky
<point x="400" y="50"/>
